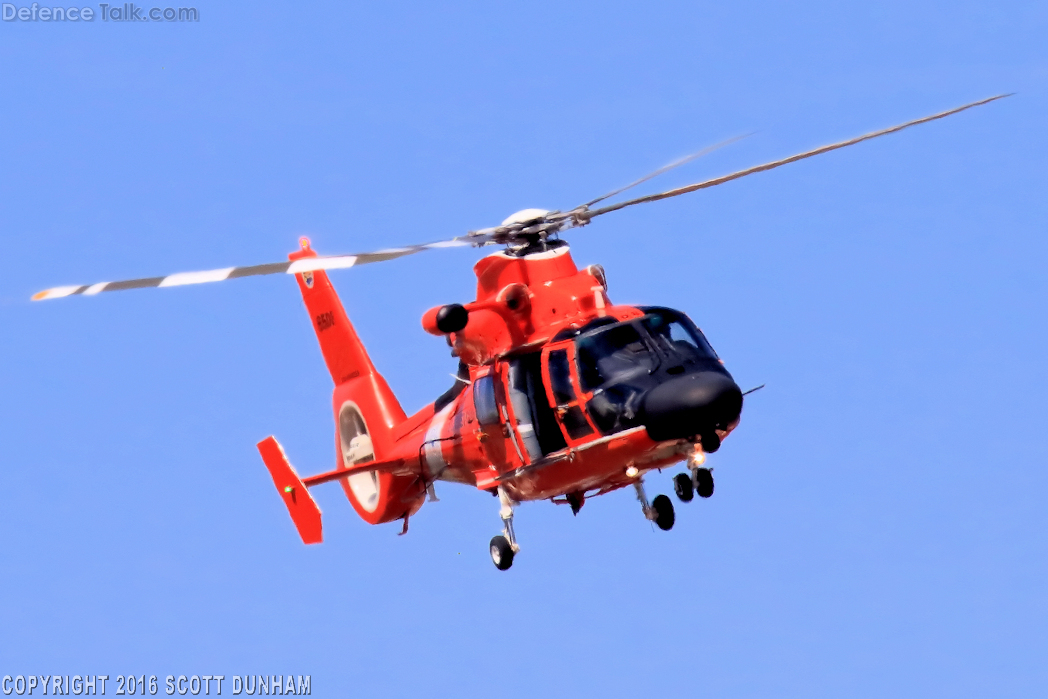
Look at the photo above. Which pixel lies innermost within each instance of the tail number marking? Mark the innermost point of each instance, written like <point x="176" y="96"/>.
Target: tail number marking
<point x="325" y="321"/>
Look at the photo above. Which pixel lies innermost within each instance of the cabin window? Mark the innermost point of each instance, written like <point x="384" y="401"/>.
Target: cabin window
<point x="484" y="401"/>
<point x="536" y="423"/>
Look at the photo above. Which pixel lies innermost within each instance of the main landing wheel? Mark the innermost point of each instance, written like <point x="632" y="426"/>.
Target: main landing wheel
<point x="664" y="517"/>
<point x="683" y="487"/>
<point x="501" y="552"/>
<point x="704" y="482"/>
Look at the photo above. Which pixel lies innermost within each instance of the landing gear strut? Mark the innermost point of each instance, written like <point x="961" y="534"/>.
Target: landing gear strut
<point x="504" y="547"/>
<point x="660" y="511"/>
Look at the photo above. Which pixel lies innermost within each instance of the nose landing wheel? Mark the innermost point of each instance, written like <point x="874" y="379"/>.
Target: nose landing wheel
<point x="703" y="482"/>
<point x="683" y="487"/>
<point x="710" y="442"/>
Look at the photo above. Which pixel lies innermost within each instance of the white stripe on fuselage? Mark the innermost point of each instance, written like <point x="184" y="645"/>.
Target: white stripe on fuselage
<point x="432" y="446"/>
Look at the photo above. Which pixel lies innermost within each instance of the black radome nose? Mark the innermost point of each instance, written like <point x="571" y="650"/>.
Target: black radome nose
<point x="691" y="405"/>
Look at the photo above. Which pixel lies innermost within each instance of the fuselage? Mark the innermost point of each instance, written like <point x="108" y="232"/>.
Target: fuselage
<point x="560" y="392"/>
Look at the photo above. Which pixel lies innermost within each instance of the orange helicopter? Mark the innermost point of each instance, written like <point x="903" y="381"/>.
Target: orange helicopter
<point x="560" y="395"/>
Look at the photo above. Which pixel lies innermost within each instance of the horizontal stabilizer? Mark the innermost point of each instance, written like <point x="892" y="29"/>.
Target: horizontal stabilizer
<point x="300" y="504"/>
<point x="395" y="466"/>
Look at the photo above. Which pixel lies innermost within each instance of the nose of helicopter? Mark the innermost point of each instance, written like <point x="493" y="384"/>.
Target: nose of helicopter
<point x="690" y="405"/>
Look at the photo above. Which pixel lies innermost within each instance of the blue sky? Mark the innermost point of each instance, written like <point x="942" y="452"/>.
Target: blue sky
<point x="879" y="526"/>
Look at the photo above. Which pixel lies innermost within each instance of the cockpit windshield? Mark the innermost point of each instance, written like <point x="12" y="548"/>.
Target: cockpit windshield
<point x="621" y="352"/>
<point x="615" y="353"/>
<point x="619" y="362"/>
<point x="673" y="332"/>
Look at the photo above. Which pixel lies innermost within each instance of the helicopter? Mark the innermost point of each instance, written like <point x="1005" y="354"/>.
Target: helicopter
<point x="560" y="394"/>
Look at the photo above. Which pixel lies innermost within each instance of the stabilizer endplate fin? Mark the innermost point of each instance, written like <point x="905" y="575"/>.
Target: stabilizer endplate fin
<point x="300" y="504"/>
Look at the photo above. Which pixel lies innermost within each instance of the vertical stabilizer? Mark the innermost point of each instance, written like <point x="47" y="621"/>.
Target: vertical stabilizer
<point x="344" y="354"/>
<point x="365" y="409"/>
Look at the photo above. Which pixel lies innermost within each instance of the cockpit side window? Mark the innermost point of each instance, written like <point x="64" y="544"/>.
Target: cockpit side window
<point x="560" y="377"/>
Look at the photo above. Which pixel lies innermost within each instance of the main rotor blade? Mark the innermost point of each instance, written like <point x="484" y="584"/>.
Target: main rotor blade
<point x="666" y="168"/>
<point x="587" y="215"/>
<point x="508" y="233"/>
<point x="306" y="264"/>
